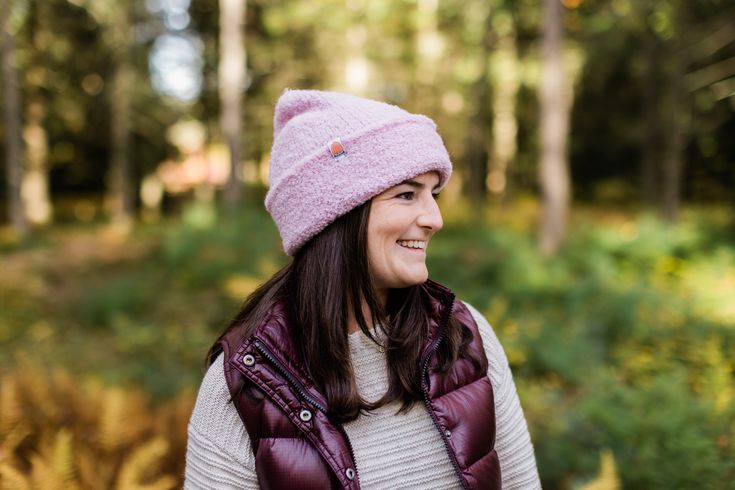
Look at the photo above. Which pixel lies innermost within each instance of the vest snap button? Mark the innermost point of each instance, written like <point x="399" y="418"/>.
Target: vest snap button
<point x="305" y="415"/>
<point x="248" y="359"/>
<point x="448" y="433"/>
<point x="350" y="474"/>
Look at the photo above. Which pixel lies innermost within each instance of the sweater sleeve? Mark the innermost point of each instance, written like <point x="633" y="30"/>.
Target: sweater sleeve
<point x="218" y="454"/>
<point x="512" y="440"/>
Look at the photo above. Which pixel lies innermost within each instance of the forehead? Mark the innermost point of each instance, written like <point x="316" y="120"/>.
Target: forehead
<point x="427" y="179"/>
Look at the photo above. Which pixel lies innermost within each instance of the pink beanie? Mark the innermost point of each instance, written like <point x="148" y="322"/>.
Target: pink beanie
<point x="332" y="152"/>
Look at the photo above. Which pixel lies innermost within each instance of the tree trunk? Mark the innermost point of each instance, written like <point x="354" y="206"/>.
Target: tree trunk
<point x="554" y="126"/>
<point x="651" y="143"/>
<point x="677" y="128"/>
<point x="232" y="65"/>
<point x="677" y="122"/>
<point x="478" y="131"/>
<point x="428" y="47"/>
<point x="13" y="144"/>
<point x="35" y="189"/>
<point x="119" y="188"/>
<point x="35" y="183"/>
<point x="505" y="124"/>
<point x="355" y="67"/>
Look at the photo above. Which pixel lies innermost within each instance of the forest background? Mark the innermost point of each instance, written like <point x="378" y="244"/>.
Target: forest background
<point x="591" y="217"/>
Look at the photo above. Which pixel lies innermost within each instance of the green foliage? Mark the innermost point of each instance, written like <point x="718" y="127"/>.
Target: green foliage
<point x="620" y="345"/>
<point x="657" y="427"/>
<point x="106" y="297"/>
<point x="145" y="309"/>
<point x="621" y="342"/>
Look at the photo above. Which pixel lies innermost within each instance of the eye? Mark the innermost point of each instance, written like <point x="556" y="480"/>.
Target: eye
<point x="405" y="195"/>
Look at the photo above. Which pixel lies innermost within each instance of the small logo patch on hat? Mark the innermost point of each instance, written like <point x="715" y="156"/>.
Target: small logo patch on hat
<point x="336" y="148"/>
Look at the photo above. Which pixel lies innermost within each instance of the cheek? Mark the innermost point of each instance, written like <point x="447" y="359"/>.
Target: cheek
<point x="376" y="252"/>
<point x="382" y="256"/>
<point x="382" y="234"/>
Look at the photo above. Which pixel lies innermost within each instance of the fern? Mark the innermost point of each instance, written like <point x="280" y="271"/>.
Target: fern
<point x="111" y="426"/>
<point x="12" y="479"/>
<point x="94" y="471"/>
<point x="608" y="478"/>
<point x="11" y="412"/>
<point x="141" y="463"/>
<point x="11" y="440"/>
<point x="95" y="437"/>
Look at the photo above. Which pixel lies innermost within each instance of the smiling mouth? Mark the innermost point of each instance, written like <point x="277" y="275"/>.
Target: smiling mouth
<point x="412" y="244"/>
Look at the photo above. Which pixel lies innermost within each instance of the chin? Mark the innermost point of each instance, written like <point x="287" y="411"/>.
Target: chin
<point x="403" y="279"/>
<point x="415" y="280"/>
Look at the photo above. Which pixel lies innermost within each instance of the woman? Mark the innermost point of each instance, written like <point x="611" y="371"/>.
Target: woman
<point x="349" y="368"/>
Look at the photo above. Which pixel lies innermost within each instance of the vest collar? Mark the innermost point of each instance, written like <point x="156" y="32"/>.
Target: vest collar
<point x="275" y="334"/>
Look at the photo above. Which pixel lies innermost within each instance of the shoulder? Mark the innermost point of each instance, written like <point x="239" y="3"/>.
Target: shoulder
<point x="489" y="338"/>
<point x="216" y="420"/>
<point x="498" y="368"/>
<point x="513" y="442"/>
<point x="218" y="451"/>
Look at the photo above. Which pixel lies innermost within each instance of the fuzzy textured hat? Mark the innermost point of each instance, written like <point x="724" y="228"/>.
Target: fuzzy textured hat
<point x="332" y="152"/>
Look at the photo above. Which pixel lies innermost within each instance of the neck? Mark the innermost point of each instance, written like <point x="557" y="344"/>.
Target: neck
<point x="352" y="325"/>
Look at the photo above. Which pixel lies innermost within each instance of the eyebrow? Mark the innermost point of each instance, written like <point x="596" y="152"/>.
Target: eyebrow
<point x="416" y="184"/>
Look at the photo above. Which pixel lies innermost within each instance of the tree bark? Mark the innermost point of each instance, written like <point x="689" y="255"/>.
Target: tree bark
<point x="35" y="183"/>
<point x="231" y="73"/>
<point x="651" y="143"/>
<point x="505" y="124"/>
<point x="428" y="47"/>
<point x="35" y="187"/>
<point x="13" y="143"/>
<point x="677" y="125"/>
<point x="355" y="67"/>
<point x="677" y="128"/>
<point x="119" y="188"/>
<point x="554" y="126"/>
<point x="478" y="131"/>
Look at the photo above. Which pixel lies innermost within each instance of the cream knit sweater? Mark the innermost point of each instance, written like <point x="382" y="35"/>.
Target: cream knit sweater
<point x="391" y="451"/>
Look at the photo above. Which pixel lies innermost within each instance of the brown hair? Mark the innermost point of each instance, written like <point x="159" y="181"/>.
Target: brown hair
<point x="329" y="277"/>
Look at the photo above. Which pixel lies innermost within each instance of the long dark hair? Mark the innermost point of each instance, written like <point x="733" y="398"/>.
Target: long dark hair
<point x="329" y="277"/>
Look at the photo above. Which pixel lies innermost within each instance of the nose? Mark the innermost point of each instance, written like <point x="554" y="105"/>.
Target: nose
<point x="430" y="217"/>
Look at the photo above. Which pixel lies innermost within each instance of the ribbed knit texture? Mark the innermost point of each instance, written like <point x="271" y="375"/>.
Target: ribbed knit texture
<point x="383" y="146"/>
<point x="392" y="451"/>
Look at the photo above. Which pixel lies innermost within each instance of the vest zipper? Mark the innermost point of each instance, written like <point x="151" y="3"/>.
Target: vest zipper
<point x="286" y="374"/>
<point x="299" y="387"/>
<point x="425" y="387"/>
<point x="352" y="453"/>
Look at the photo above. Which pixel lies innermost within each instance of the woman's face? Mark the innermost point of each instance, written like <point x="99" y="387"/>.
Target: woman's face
<point x="402" y="221"/>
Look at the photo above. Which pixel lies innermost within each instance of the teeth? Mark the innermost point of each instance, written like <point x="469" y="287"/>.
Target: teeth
<point x="412" y="243"/>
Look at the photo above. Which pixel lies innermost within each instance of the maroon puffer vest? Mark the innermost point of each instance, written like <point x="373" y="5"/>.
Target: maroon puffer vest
<point x="297" y="446"/>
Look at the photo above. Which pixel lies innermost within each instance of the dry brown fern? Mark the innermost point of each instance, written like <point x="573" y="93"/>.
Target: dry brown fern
<point x="143" y="462"/>
<point x="94" y="471"/>
<point x="12" y="479"/>
<point x="52" y="468"/>
<point x="35" y="390"/>
<point x="90" y="437"/>
<point x="11" y="410"/>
